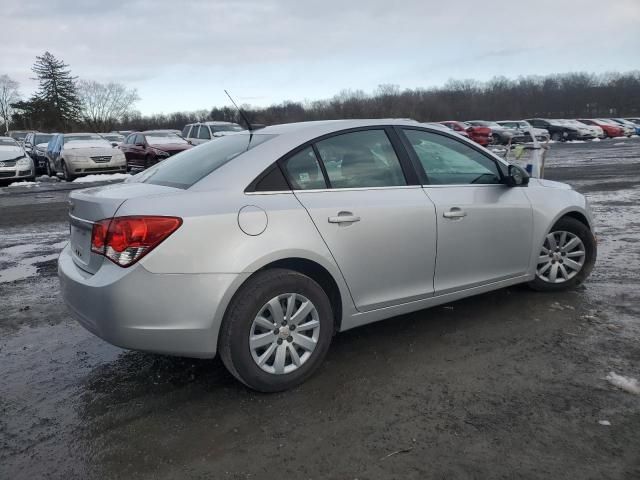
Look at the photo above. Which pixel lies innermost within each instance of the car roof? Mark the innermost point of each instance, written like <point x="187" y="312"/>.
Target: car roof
<point x="328" y="126"/>
<point x="286" y="138"/>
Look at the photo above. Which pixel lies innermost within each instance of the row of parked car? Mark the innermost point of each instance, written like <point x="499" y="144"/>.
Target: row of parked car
<point x="23" y="155"/>
<point x="73" y="154"/>
<point x="505" y="132"/>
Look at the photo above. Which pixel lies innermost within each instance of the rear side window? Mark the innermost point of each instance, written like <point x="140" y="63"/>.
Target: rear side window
<point x="451" y="162"/>
<point x="303" y="171"/>
<point x="204" y="133"/>
<point x="361" y="159"/>
<point x="190" y="166"/>
<point x="185" y="131"/>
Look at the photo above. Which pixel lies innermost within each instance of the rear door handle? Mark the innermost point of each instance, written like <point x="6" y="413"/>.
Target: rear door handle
<point x="344" y="217"/>
<point x="455" y="212"/>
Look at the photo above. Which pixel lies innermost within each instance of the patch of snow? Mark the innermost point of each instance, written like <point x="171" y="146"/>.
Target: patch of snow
<point x="627" y="384"/>
<point x="19" y="253"/>
<point x="575" y="141"/>
<point x="618" y="144"/>
<point x="24" y="184"/>
<point x="102" y="178"/>
<point x="606" y="423"/>
<point x="596" y="140"/>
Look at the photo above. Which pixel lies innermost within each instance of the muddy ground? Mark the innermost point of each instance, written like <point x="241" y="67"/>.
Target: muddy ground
<point x="509" y="384"/>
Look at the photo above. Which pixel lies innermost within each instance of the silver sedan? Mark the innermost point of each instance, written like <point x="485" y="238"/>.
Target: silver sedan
<point x="261" y="246"/>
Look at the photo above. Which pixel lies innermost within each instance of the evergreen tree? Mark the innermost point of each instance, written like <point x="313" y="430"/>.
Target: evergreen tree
<point x="57" y="93"/>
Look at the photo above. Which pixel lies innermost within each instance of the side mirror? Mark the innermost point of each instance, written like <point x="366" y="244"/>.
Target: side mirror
<point x="189" y="142"/>
<point x="516" y="176"/>
<point x="114" y="144"/>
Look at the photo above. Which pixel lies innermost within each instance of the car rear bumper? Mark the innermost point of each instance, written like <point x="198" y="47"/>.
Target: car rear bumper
<point x="175" y="314"/>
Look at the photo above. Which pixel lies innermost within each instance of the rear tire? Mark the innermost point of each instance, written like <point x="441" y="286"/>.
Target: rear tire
<point x="565" y="259"/>
<point x="556" y="137"/>
<point x="250" y="309"/>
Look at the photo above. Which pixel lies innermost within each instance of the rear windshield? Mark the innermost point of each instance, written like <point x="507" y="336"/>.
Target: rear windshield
<point x="190" y="166"/>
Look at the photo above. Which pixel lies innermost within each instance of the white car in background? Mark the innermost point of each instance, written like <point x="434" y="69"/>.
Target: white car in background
<point x="198" y="133"/>
<point x="15" y="164"/>
<point x="542" y="135"/>
<point x="75" y="154"/>
<point x="597" y="131"/>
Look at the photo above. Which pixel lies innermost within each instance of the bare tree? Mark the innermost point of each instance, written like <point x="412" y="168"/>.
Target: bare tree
<point x="8" y="96"/>
<point x="103" y="105"/>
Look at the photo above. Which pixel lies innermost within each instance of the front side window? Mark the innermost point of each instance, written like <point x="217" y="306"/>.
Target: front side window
<point x="361" y="159"/>
<point x="185" y="131"/>
<point x="194" y="131"/>
<point x="303" y="171"/>
<point x="447" y="161"/>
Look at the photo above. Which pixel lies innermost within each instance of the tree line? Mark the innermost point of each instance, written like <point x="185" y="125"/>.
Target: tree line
<point x="65" y="103"/>
<point x="568" y="95"/>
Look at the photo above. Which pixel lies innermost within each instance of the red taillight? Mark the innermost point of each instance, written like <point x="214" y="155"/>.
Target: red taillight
<point x="125" y="240"/>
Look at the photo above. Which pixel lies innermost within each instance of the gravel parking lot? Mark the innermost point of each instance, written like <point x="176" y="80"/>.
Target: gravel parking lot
<point x="510" y="384"/>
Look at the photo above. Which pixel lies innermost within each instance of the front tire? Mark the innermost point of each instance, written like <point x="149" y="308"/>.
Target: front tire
<point x="566" y="258"/>
<point x="68" y="176"/>
<point x="276" y="331"/>
<point x="48" y="168"/>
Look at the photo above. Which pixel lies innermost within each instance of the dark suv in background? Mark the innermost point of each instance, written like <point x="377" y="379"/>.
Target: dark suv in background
<point x="557" y="130"/>
<point x="35" y="144"/>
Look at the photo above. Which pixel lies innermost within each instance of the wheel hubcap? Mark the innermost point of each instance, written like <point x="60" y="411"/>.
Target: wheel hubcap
<point x="561" y="258"/>
<point x="284" y="334"/>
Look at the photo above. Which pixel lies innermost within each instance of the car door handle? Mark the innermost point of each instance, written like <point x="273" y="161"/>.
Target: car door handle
<point x="455" y="212"/>
<point x="344" y="217"/>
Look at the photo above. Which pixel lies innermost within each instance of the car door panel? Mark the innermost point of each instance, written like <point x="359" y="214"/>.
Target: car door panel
<point x="484" y="234"/>
<point x="484" y="226"/>
<point x="380" y="231"/>
<point x="386" y="247"/>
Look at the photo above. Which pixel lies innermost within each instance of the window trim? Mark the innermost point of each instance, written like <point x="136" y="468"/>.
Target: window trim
<point x="420" y="169"/>
<point x="411" y="176"/>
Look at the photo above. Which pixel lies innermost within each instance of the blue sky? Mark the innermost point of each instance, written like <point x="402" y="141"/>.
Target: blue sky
<point x="180" y="55"/>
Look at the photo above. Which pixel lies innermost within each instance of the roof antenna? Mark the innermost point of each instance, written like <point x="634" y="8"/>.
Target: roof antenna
<point x="244" y="117"/>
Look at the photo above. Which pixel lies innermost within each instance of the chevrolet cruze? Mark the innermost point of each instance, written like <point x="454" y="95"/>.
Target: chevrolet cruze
<point x="261" y="246"/>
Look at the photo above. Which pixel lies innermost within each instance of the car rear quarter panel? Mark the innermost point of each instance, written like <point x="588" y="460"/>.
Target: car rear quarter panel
<point x="211" y="240"/>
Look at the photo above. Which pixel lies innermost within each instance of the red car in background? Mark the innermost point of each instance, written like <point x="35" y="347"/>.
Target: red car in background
<point x="609" y="129"/>
<point x="144" y="149"/>
<point x="481" y="135"/>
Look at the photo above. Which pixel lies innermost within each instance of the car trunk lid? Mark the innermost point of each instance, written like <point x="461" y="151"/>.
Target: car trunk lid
<point x="93" y="204"/>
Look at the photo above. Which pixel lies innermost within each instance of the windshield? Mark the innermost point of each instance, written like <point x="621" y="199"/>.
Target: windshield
<point x="89" y="137"/>
<point x="162" y="138"/>
<point x="226" y="128"/>
<point x="19" y="135"/>
<point x="41" y="139"/>
<point x="8" y="142"/>
<point x="114" y="137"/>
<point x="190" y="166"/>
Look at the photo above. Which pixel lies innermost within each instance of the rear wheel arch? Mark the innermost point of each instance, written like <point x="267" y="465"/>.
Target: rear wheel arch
<point x="320" y="275"/>
<point x="311" y="269"/>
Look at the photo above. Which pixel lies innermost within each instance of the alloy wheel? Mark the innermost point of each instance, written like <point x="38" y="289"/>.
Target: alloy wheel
<point x="284" y="333"/>
<point x="561" y="258"/>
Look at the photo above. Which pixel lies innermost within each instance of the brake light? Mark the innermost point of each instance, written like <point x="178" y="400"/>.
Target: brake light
<point x="125" y="240"/>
